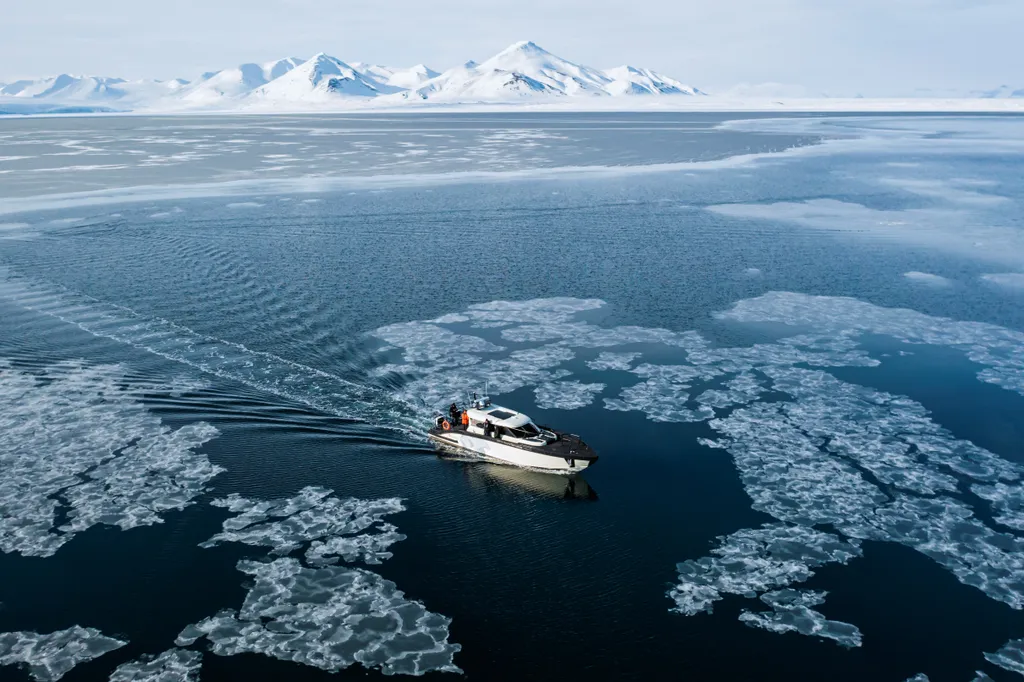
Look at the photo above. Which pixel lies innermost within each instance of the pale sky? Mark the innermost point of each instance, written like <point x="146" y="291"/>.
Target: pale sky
<point x="844" y="47"/>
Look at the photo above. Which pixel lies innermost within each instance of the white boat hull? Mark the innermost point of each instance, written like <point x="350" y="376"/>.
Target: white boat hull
<point x="499" y="452"/>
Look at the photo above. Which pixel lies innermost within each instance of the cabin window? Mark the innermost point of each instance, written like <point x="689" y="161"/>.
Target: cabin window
<point x="524" y="433"/>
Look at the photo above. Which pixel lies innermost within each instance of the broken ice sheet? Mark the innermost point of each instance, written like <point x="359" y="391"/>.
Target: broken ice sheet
<point x="792" y="612"/>
<point x="1010" y="656"/>
<point x="610" y="360"/>
<point x="173" y="665"/>
<point x="1007" y="502"/>
<point x="566" y="395"/>
<point x="999" y="349"/>
<point x="740" y="390"/>
<point x="312" y="515"/>
<point x="756" y="560"/>
<point x="51" y="656"/>
<point x="108" y="458"/>
<point x="330" y="618"/>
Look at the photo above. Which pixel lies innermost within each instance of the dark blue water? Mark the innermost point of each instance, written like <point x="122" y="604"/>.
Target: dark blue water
<point x="266" y="309"/>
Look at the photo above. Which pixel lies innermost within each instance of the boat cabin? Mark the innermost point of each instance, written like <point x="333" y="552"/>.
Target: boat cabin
<point x="507" y="425"/>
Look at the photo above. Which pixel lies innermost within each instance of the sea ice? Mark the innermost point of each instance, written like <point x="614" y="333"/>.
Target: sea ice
<point x="858" y="459"/>
<point x="1010" y="656"/>
<point x="927" y="279"/>
<point x="1010" y="280"/>
<point x="999" y="349"/>
<point x="757" y="560"/>
<point x="792" y="612"/>
<point x="312" y="516"/>
<point x="329" y="618"/>
<point x="534" y="311"/>
<point x="742" y="389"/>
<point x="78" y="440"/>
<point x="610" y="360"/>
<point x="429" y="343"/>
<point x="1007" y="502"/>
<point x="49" y="657"/>
<point x="566" y="395"/>
<point x="173" y="665"/>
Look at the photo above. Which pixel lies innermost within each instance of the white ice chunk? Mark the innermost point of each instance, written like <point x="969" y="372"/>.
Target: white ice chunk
<point x="428" y="343"/>
<point x="1010" y="656"/>
<point x="1000" y="349"/>
<point x="80" y="440"/>
<point x="329" y="618"/>
<point x="312" y="516"/>
<point x="742" y="389"/>
<point x="1006" y="500"/>
<point x="792" y="612"/>
<point x="566" y="395"/>
<point x="534" y="311"/>
<point x="756" y="560"/>
<point x="927" y="279"/>
<point x="49" y="657"/>
<point x="610" y="360"/>
<point x="1010" y="280"/>
<point x="173" y="665"/>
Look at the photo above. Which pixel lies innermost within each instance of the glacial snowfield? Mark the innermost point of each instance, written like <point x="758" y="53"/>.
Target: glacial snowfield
<point x="522" y="76"/>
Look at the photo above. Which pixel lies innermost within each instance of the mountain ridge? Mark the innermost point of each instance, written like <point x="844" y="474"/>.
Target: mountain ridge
<point x="523" y="70"/>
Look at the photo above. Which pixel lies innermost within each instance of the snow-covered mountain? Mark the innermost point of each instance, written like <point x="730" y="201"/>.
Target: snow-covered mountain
<point x="322" y="78"/>
<point x="66" y="88"/>
<point x="629" y="80"/>
<point x="216" y="86"/>
<point x="405" y="79"/>
<point x="524" y="70"/>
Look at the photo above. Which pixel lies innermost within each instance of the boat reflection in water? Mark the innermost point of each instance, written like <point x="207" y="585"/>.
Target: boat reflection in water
<point x="556" y="486"/>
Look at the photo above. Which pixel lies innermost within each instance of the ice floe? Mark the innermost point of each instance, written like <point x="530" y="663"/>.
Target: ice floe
<point x="78" y="441"/>
<point x="173" y="665"/>
<point x="999" y="349"/>
<point x="757" y="560"/>
<point x="51" y="656"/>
<point x="861" y="460"/>
<point x="927" y="279"/>
<point x="1010" y="280"/>
<point x="611" y="360"/>
<point x="792" y="612"/>
<point x="952" y="229"/>
<point x="544" y="311"/>
<point x="312" y="516"/>
<point x="1010" y="656"/>
<point x="742" y="389"/>
<point x="428" y="343"/>
<point x="566" y="395"/>
<point x="330" y="618"/>
<point x="1007" y="502"/>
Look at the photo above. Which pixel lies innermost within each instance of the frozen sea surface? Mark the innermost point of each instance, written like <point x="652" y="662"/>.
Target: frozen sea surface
<point x="797" y="344"/>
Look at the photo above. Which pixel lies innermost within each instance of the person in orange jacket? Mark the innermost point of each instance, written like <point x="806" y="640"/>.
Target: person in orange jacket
<point x="465" y="419"/>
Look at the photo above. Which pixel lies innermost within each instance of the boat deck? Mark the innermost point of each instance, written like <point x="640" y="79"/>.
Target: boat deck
<point x="568" y="446"/>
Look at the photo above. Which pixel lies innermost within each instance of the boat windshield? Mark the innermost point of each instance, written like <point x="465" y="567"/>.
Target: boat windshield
<point x="527" y="430"/>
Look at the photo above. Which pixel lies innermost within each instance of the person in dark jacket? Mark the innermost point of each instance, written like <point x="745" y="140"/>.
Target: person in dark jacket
<point x="453" y="413"/>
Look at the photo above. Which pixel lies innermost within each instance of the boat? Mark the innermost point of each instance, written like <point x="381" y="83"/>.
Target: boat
<point x="503" y="435"/>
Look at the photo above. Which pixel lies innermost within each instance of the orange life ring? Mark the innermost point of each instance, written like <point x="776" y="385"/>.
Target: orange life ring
<point x="445" y="425"/>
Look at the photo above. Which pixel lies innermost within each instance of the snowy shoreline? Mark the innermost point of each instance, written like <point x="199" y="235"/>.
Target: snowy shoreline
<point x="703" y="105"/>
